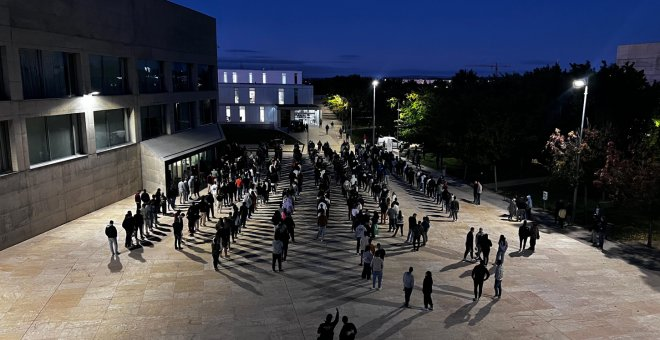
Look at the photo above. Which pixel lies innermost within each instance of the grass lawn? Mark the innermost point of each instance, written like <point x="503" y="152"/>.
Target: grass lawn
<point x="244" y="135"/>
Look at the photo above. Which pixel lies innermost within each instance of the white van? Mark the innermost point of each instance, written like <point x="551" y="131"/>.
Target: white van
<point x="389" y="141"/>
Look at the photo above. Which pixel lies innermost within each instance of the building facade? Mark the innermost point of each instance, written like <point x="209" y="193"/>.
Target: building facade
<point x="89" y="92"/>
<point x="268" y="99"/>
<point x="646" y="57"/>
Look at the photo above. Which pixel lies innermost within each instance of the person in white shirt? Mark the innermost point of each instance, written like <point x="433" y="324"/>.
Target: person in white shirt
<point x="360" y="233"/>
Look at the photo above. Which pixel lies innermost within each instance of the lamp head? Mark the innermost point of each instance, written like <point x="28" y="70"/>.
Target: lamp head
<point x="579" y="83"/>
<point x="374" y="83"/>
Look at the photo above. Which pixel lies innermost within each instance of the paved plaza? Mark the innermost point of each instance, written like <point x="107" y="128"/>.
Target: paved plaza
<point x="64" y="284"/>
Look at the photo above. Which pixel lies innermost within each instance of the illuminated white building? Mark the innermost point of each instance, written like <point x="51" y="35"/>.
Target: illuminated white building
<point x="268" y="99"/>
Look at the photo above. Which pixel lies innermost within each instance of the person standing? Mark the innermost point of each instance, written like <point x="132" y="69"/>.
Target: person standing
<point x="408" y="285"/>
<point x="602" y="230"/>
<point x="426" y="225"/>
<point x="111" y="233"/>
<point x="479" y="275"/>
<point x="469" y="245"/>
<point x="399" y="223"/>
<point x="360" y="232"/>
<point x="412" y="225"/>
<point x="534" y="235"/>
<point x="417" y="235"/>
<point x="128" y="225"/>
<point x="138" y="221"/>
<point x="486" y="244"/>
<point x="502" y="246"/>
<point x="367" y="258"/>
<point x="391" y="215"/>
<point x="499" y="275"/>
<point x="348" y="331"/>
<point x="477" y="242"/>
<point x="377" y="269"/>
<point x="523" y="234"/>
<point x="138" y="201"/>
<point x="454" y="207"/>
<point x="216" y="246"/>
<point x="177" y="228"/>
<point x="326" y="330"/>
<point x="277" y="253"/>
<point x="427" y="289"/>
<point x="322" y="222"/>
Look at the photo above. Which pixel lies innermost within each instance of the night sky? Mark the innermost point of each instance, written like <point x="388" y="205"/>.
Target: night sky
<point x="423" y="37"/>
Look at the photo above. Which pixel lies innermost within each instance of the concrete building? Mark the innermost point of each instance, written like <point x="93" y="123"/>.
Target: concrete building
<point x="646" y="57"/>
<point x="268" y="99"/>
<point x="99" y="99"/>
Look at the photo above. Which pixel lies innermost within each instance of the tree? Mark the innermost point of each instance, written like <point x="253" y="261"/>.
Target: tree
<point x="338" y="104"/>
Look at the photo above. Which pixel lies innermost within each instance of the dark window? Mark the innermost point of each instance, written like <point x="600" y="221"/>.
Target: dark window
<point x="150" y="76"/>
<point x="48" y="74"/>
<point x="207" y="112"/>
<point x="181" y="77"/>
<point x="183" y="116"/>
<point x="205" y="78"/>
<point x="111" y="127"/>
<point x="152" y="119"/>
<point x="5" y="151"/>
<point x="53" y="137"/>
<point x="295" y="95"/>
<point x="108" y="75"/>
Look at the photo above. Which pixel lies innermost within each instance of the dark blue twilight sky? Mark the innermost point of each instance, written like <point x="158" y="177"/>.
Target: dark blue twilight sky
<point x="424" y="37"/>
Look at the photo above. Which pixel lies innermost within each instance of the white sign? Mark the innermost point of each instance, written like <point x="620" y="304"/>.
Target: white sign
<point x="545" y="195"/>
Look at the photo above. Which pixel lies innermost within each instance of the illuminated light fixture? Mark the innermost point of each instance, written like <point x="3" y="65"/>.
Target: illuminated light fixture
<point x="579" y="83"/>
<point x="374" y="83"/>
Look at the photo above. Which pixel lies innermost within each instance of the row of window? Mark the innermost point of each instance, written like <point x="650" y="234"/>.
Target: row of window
<point x="48" y="74"/>
<point x="56" y="137"/>
<point x="264" y="78"/>
<point x="252" y="96"/>
<point x="241" y="114"/>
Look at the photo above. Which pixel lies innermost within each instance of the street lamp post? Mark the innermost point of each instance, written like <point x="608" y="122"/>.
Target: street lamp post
<point x="373" y="128"/>
<point x="580" y="83"/>
<point x="350" y="127"/>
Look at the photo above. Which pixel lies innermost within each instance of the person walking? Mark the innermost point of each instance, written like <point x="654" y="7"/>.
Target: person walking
<point x="348" y="331"/>
<point x="277" y="253"/>
<point x="486" y="244"/>
<point x="499" y="275"/>
<point x="408" y="285"/>
<point x="128" y="225"/>
<point x="216" y="246"/>
<point x="326" y="330"/>
<point x="427" y="289"/>
<point x="469" y="245"/>
<point x="111" y="233"/>
<point x="533" y="236"/>
<point x="479" y="275"/>
<point x="502" y="246"/>
<point x="399" y="224"/>
<point x="523" y="234"/>
<point x="377" y="270"/>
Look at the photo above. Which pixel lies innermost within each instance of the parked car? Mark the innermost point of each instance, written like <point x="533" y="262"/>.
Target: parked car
<point x="389" y="140"/>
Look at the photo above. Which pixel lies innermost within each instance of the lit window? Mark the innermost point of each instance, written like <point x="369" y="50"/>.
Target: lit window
<point x="228" y="113"/>
<point x="224" y="77"/>
<point x="5" y="151"/>
<point x="110" y="128"/>
<point x="54" y="137"/>
<point x="241" y="113"/>
<point x="234" y="77"/>
<point x="250" y="77"/>
<point x="235" y="96"/>
<point x="280" y="96"/>
<point x="263" y="77"/>
<point x="262" y="114"/>
<point x="253" y="96"/>
<point x="283" y="78"/>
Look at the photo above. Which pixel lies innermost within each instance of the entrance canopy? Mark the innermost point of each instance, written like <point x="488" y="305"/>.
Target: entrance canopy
<point x="180" y="144"/>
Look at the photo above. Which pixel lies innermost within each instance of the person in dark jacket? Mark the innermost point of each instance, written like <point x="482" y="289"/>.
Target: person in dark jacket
<point x="177" y="228"/>
<point x="348" y="331"/>
<point x="216" y="246"/>
<point x="469" y="245"/>
<point x="326" y="330"/>
<point x="523" y="234"/>
<point x="128" y="225"/>
<point x="111" y="233"/>
<point x="290" y="227"/>
<point x="533" y="236"/>
<point x="479" y="275"/>
<point x="486" y="244"/>
<point x="427" y="289"/>
<point x="417" y="235"/>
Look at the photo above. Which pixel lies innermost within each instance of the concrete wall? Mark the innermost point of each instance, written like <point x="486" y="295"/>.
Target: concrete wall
<point x="153" y="171"/>
<point x="35" y="201"/>
<point x="39" y="197"/>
